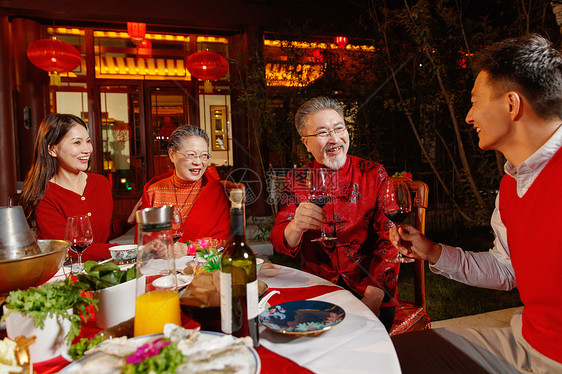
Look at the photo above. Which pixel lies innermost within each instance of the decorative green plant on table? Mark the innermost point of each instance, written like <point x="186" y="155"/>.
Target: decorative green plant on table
<point x="52" y="300"/>
<point x="209" y="258"/>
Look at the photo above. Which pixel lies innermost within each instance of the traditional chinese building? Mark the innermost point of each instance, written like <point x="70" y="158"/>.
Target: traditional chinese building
<point x="138" y="77"/>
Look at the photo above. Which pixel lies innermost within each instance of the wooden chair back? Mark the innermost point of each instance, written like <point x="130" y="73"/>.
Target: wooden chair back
<point x="412" y="315"/>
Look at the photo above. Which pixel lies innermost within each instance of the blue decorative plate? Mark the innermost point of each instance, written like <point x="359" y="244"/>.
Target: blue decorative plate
<point x="302" y="317"/>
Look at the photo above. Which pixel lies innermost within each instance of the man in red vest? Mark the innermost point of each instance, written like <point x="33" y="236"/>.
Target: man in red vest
<point x="517" y="110"/>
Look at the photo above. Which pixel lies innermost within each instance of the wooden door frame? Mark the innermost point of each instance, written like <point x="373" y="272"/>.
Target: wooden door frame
<point x="190" y="101"/>
<point x="140" y="92"/>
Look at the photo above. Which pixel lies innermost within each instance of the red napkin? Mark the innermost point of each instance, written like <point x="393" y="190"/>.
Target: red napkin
<point x="304" y="293"/>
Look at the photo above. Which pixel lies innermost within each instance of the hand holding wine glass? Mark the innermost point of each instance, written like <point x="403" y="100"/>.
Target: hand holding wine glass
<point x="397" y="206"/>
<point x="320" y="183"/>
<point x="78" y="232"/>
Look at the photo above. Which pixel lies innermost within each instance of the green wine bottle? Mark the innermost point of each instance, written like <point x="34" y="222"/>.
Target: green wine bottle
<point x="238" y="278"/>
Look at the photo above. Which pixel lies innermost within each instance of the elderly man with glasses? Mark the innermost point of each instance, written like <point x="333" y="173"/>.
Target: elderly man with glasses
<point x="354" y="254"/>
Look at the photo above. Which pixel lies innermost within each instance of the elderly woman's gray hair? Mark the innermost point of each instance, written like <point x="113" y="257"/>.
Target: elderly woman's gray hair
<point x="312" y="106"/>
<point x="183" y="132"/>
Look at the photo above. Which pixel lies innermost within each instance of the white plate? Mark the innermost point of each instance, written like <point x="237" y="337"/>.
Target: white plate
<point x="249" y="360"/>
<point x="166" y="282"/>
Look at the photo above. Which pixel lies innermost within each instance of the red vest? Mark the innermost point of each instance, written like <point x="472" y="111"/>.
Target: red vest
<point x="534" y="236"/>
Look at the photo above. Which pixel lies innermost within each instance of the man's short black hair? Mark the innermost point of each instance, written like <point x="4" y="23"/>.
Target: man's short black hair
<point x="529" y="65"/>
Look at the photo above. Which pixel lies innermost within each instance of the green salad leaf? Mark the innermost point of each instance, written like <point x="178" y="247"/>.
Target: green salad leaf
<point x="51" y="300"/>
<point x="98" y="277"/>
<point x="76" y="351"/>
<point x="165" y="362"/>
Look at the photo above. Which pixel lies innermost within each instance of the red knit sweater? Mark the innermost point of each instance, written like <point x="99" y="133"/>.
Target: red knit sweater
<point x="58" y="203"/>
<point x="209" y="215"/>
<point x="534" y="239"/>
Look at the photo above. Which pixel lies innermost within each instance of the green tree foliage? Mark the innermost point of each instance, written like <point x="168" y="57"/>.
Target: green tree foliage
<point x="406" y="102"/>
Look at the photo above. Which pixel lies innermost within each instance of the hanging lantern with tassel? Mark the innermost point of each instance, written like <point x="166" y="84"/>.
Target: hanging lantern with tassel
<point x="341" y="41"/>
<point x="55" y="56"/>
<point x="136" y="31"/>
<point x="207" y="66"/>
<point x="144" y="49"/>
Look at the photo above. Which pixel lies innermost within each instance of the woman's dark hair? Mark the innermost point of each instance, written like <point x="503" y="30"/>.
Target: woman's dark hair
<point x="44" y="166"/>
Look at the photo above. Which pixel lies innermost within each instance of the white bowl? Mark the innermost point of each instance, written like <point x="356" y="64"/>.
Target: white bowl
<point x="50" y="341"/>
<point x="125" y="252"/>
<point x="116" y="304"/>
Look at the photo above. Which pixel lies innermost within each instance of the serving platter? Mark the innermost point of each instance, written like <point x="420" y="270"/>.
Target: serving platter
<point x="302" y="317"/>
<point x="248" y="361"/>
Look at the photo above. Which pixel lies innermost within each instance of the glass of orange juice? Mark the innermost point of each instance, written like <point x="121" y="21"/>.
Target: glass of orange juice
<point x="157" y="299"/>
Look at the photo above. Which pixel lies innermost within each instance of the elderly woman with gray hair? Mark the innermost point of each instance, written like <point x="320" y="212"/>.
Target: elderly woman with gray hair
<point x="201" y="209"/>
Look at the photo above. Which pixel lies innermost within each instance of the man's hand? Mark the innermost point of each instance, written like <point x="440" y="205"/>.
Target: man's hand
<point x="307" y="217"/>
<point x="412" y="243"/>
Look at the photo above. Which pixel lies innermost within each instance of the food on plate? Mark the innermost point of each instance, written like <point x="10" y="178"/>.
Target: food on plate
<point x="78" y="349"/>
<point x="204" y="290"/>
<point x="157" y="356"/>
<point x="178" y="350"/>
<point x="14" y="354"/>
<point x="8" y="362"/>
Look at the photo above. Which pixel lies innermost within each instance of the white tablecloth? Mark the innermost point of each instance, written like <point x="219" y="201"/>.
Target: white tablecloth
<point x="359" y="344"/>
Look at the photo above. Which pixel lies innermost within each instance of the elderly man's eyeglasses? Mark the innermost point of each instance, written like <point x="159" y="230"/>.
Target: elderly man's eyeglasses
<point x="323" y="134"/>
<point x="190" y="156"/>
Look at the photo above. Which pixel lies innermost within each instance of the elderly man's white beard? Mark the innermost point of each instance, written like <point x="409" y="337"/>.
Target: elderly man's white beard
<point x="335" y="163"/>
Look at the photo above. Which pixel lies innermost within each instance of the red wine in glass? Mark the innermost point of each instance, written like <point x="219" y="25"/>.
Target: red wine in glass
<point x="320" y="182"/>
<point x="79" y="247"/>
<point x="396" y="216"/>
<point x="320" y="199"/>
<point x="78" y="232"/>
<point x="397" y="206"/>
<point x="176" y="235"/>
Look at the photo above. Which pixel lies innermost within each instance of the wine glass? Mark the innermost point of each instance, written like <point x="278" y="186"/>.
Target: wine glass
<point x="78" y="232"/>
<point x="320" y="183"/>
<point x="397" y="206"/>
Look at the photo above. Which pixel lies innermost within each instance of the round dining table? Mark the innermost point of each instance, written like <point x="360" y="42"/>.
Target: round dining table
<point x="358" y="344"/>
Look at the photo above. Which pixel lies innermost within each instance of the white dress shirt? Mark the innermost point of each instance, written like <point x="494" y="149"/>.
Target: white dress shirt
<point x="493" y="269"/>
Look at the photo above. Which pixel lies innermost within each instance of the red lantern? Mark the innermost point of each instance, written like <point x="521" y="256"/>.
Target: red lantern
<point x="206" y="65"/>
<point x="53" y="55"/>
<point x="341" y="41"/>
<point x="144" y="49"/>
<point x="136" y="31"/>
<point x="318" y="56"/>
<point x="167" y="129"/>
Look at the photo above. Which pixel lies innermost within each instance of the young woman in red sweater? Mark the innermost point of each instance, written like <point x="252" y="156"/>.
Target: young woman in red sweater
<point x="58" y="186"/>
